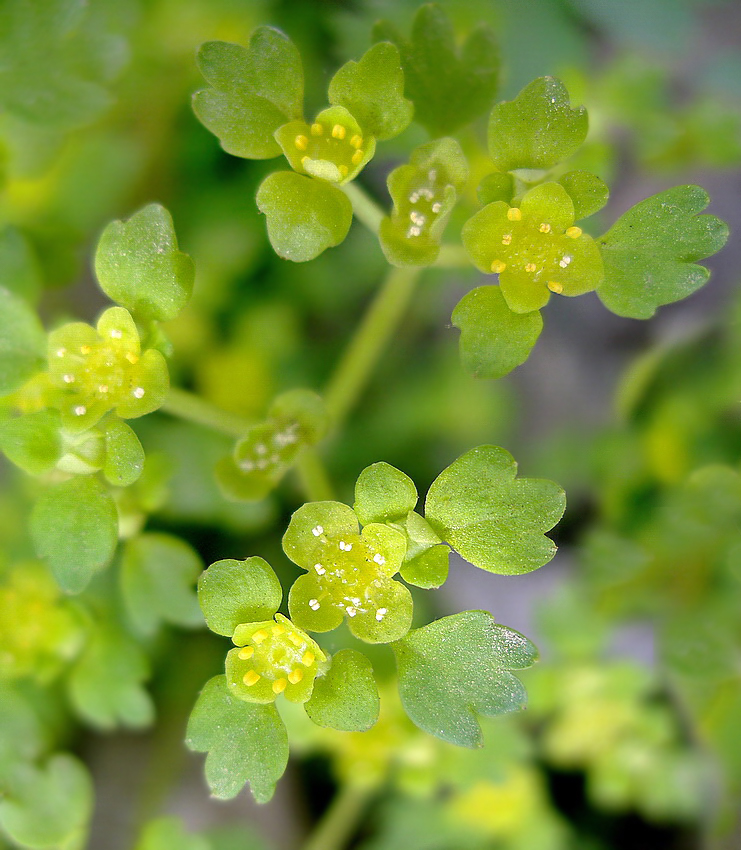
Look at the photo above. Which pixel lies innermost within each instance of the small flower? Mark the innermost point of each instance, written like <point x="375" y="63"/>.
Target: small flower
<point x="349" y="574"/>
<point x="273" y="657"/>
<point x="100" y="369"/>
<point x="534" y="248"/>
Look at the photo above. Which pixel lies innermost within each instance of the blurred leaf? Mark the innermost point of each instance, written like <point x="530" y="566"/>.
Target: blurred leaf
<point x="168" y="833"/>
<point x="32" y="441"/>
<point x="124" y="455"/>
<point x="22" y="342"/>
<point x="20" y="272"/>
<point x="346" y="697"/>
<point x="586" y="190"/>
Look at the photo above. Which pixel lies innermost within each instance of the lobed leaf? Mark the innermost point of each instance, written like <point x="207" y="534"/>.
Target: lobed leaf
<point x="587" y="191"/>
<point x="493" y="519"/>
<point x="383" y="494"/>
<point x="457" y="668"/>
<point x="245" y="742"/>
<point x="346" y="697"/>
<point x="32" y="441"/>
<point x="139" y="266"/>
<point x="650" y="252"/>
<point x="22" y="342"/>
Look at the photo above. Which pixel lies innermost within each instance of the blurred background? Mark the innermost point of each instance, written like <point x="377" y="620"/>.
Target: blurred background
<point x="631" y="738"/>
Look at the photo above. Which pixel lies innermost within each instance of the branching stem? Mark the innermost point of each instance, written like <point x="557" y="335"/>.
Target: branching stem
<point x="340" y="820"/>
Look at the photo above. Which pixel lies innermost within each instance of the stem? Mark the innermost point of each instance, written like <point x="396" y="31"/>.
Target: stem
<point x="378" y="324"/>
<point x="185" y="405"/>
<point x="339" y="821"/>
<point x="364" y="207"/>
<point x="452" y="257"/>
<point x="313" y="476"/>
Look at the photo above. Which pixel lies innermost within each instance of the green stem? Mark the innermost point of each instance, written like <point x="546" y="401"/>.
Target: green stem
<point x="340" y="820"/>
<point x="185" y="405"/>
<point x="313" y="476"/>
<point x="453" y="257"/>
<point x="379" y="323"/>
<point x="364" y="207"/>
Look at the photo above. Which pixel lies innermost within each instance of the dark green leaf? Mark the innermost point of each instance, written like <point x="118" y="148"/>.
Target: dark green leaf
<point x="586" y="190"/>
<point x="458" y="667"/>
<point x="32" y="441"/>
<point x="346" y="697"/>
<point x="383" y="494"/>
<point x="649" y="253"/>
<point x="19" y="269"/>
<point x="22" y="342"/>
<point x="245" y="742"/>
<point x="124" y="455"/>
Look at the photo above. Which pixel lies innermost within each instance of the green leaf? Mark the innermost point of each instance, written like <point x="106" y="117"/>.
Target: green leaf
<point x="493" y="519"/>
<point x="32" y="441"/>
<point x="23" y="737"/>
<point x="649" y="253"/>
<point x="168" y="833"/>
<point x="346" y="697"/>
<point x="383" y="494"/>
<point x="19" y="269"/>
<point x="372" y="90"/>
<point x="75" y="526"/>
<point x="494" y="339"/>
<point x="245" y="742"/>
<point x="140" y="267"/>
<point x="449" y="87"/>
<point x="538" y="129"/>
<point x="458" y="667"/>
<point x="586" y="190"/>
<point x="48" y="807"/>
<point x="497" y="186"/>
<point x="429" y="569"/>
<point x="256" y="89"/>
<point x="124" y="455"/>
<point x="305" y="216"/>
<point x="158" y="576"/>
<point x="22" y="342"/>
<point x="234" y="592"/>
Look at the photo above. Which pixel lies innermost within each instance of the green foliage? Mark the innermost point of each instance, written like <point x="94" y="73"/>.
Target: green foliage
<point x="19" y="269"/>
<point x="345" y="697"/>
<point x="124" y="455"/>
<point x="22" y="342"/>
<point x="383" y="494"/>
<point x="33" y="441"/>
<point x="168" y="834"/>
<point x="458" y="667"/>
<point x="587" y="192"/>
<point x="650" y="252"/>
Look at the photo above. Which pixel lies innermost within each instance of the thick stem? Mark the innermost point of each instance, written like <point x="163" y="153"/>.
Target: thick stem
<point x="340" y="820"/>
<point x="185" y="405"/>
<point x="378" y="325"/>
<point x="313" y="476"/>
<point x="364" y="207"/>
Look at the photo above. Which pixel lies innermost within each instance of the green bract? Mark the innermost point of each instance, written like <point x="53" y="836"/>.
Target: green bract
<point x="535" y="248"/>
<point x="21" y="342"/>
<point x="349" y="573"/>
<point x="101" y="369"/>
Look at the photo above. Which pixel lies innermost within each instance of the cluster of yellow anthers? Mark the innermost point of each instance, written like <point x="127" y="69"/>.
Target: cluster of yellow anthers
<point x="320" y="146"/>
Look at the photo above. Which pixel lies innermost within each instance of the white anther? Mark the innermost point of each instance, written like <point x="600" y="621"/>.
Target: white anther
<point x="246" y="466"/>
<point x="103" y="388"/>
<point x="379" y="559"/>
<point x="413" y="198"/>
<point x="380" y="614"/>
<point x="564" y="262"/>
<point x="68" y="379"/>
<point x="61" y="352"/>
<point x="417" y="218"/>
<point x="413" y="231"/>
<point x="138" y="392"/>
<point x="116" y="333"/>
<point x="351" y="612"/>
<point x="432" y="174"/>
<point x="317" y="530"/>
<point x="80" y="410"/>
<point x="314" y="604"/>
<point x="319" y="569"/>
<point x="436" y="207"/>
<point x="260" y="449"/>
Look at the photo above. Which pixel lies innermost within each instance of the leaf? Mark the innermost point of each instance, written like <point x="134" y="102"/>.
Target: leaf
<point x="106" y="683"/>
<point x="346" y="697"/>
<point x="494" y="520"/>
<point x="449" y="87"/>
<point x="383" y="494"/>
<point x="305" y="215"/>
<point x="497" y="186"/>
<point x="234" y="592"/>
<point x="538" y="129"/>
<point x="458" y="667"/>
<point x="20" y="272"/>
<point x="158" y="576"/>
<point x="22" y="342"/>
<point x="75" y="526"/>
<point x="139" y="266"/>
<point x="48" y="807"/>
<point x="168" y="833"/>
<point x="245" y="742"/>
<point x="649" y="253"/>
<point x="586" y="190"/>
<point x="494" y="339"/>
<point x="256" y="89"/>
<point x="124" y="455"/>
<point x="428" y="569"/>
<point x="32" y="441"/>
<point x="372" y="90"/>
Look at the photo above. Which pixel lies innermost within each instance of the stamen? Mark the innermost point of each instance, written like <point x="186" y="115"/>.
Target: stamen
<point x="380" y="614"/>
<point x="61" y="352"/>
<point x="103" y="388"/>
<point x="498" y="266"/>
<point x="514" y="214"/>
<point x="545" y="228"/>
<point x="555" y="287"/>
<point x="259" y="636"/>
<point x="116" y="333"/>
<point x="351" y="612"/>
<point x="85" y="349"/>
<point x="436" y="207"/>
<point x="295" y="676"/>
<point x="379" y="559"/>
<point x="574" y="232"/>
<point x="278" y="630"/>
<point x="531" y="267"/>
<point x="357" y="157"/>
<point x="68" y="379"/>
<point x="131" y="357"/>
<point x="343" y="169"/>
<point x="308" y="658"/>
<point x="320" y="570"/>
<point x="279" y="686"/>
<point x="317" y="530"/>
<point x="316" y="129"/>
<point x="301" y="142"/>
<point x="251" y="678"/>
<point x="138" y="392"/>
<point x="246" y="652"/>
<point x="80" y="410"/>
<point x="304" y="160"/>
<point x="314" y="604"/>
<point x="338" y="131"/>
<point x="506" y="239"/>
<point x="295" y="639"/>
<point x="564" y="262"/>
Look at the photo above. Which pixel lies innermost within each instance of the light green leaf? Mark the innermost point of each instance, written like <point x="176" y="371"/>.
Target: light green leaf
<point x="538" y="129"/>
<point x="169" y="834"/>
<point x="19" y="269"/>
<point x="48" y="807"/>
<point x="105" y="685"/>
<point x="22" y="342"/>
<point x="245" y="742"/>
<point x="140" y="267"/>
<point x="383" y="494"/>
<point x="233" y="592"/>
<point x="304" y="541"/>
<point x="124" y="455"/>
<point x="305" y="216"/>
<point x="372" y="90"/>
<point x="32" y="441"/>
<point x="256" y="89"/>
<point x="428" y="569"/>
<point x="493" y="519"/>
<point x="649" y="253"/>
<point x="346" y="697"/>
<point x="448" y="86"/>
<point x="75" y="526"/>
<point x="158" y="576"/>
<point x="457" y="668"/>
<point x="586" y="190"/>
<point x="497" y="186"/>
<point x="494" y="339"/>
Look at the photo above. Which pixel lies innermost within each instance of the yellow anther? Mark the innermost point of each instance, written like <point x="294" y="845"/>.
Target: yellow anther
<point x="246" y="652"/>
<point x="301" y="142"/>
<point x="498" y="266"/>
<point x="279" y="685"/>
<point x="278" y="630"/>
<point x="295" y="676"/>
<point x="357" y="157"/>
<point x="356" y="141"/>
<point x="530" y="267"/>
<point x="338" y="131"/>
<point x="85" y="349"/>
<point x="251" y="678"/>
<point x="259" y="636"/>
<point x="317" y="129"/>
<point x="506" y="239"/>
<point x="304" y="160"/>
<point x="555" y="287"/>
<point x="343" y="170"/>
<point x="295" y="639"/>
<point x="308" y="658"/>
<point x="574" y="232"/>
<point x="514" y="214"/>
<point x="545" y="228"/>
<point x="131" y="357"/>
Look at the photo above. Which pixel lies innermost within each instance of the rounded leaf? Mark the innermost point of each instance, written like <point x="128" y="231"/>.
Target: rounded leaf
<point x="383" y="494"/>
<point x="345" y="697"/>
